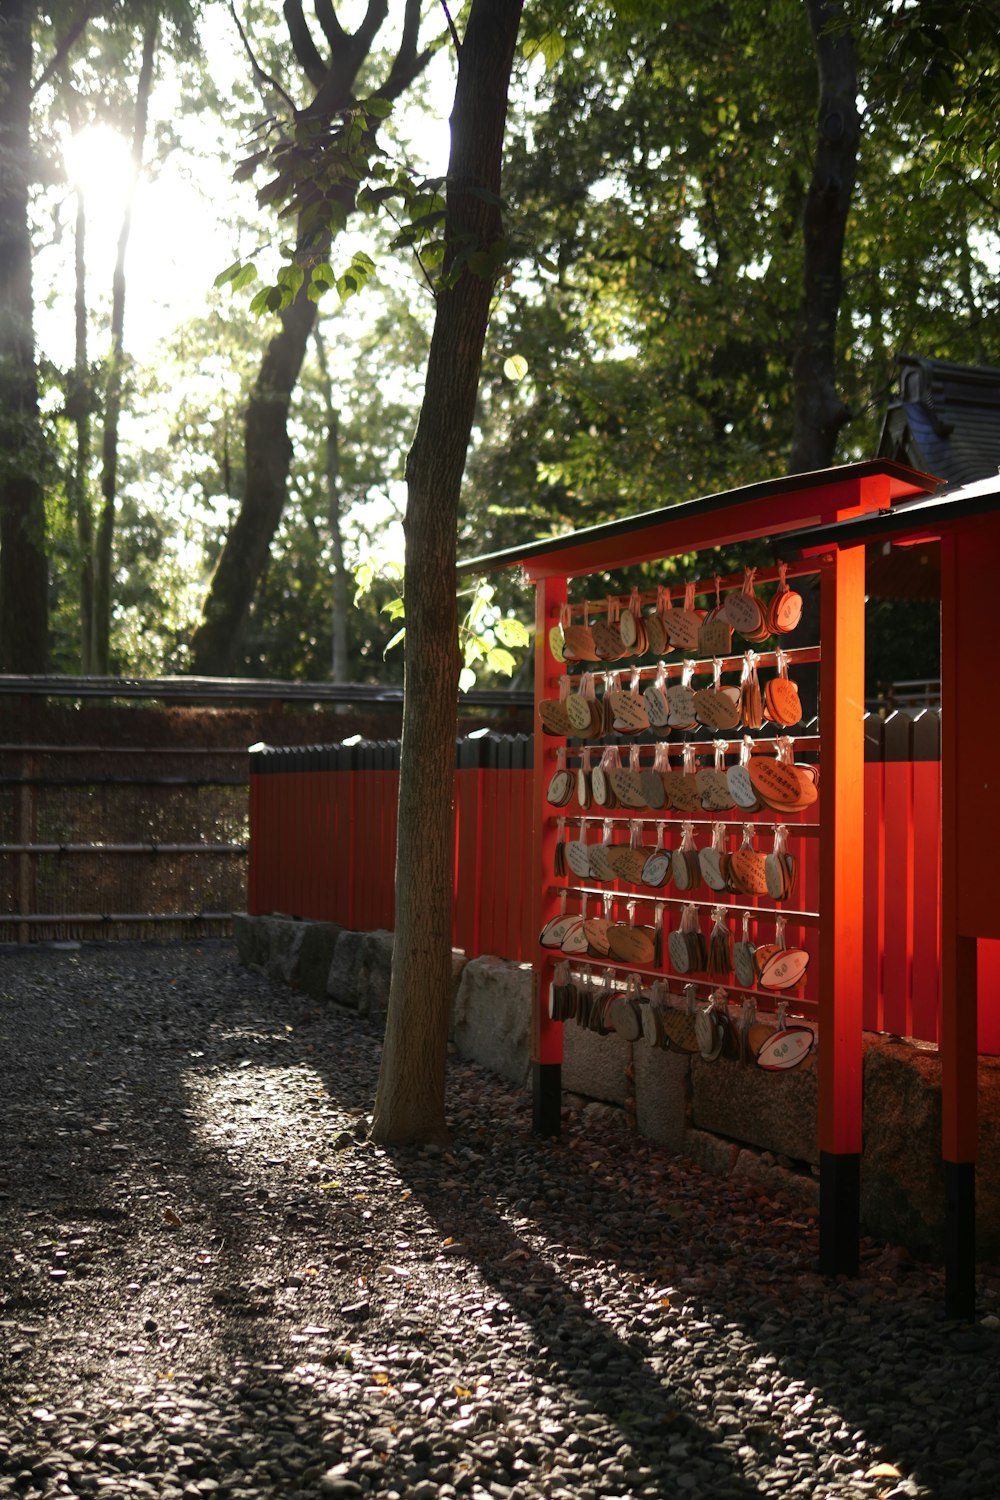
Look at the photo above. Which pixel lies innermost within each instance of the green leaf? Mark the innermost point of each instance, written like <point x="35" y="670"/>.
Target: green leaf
<point x="291" y="277"/>
<point x="229" y="274"/>
<point x="466" y="679"/>
<point x="364" y="574"/>
<point x="394" y="642"/>
<point x="244" y="278"/>
<point x="501" y="661"/>
<point x="511" y="633"/>
<point x="552" y="46"/>
<point x="433" y="254"/>
<point x="260" y="304"/>
<point x="395" y="609"/>
<point x="516" y="367"/>
<point x="379" y="109"/>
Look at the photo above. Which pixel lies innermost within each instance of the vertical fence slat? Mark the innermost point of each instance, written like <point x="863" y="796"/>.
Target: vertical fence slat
<point x="925" y="966"/>
<point x="874" y="1014"/>
<point x="897" y="958"/>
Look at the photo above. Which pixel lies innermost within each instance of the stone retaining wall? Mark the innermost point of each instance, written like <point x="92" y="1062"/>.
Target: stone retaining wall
<point x="729" y="1118"/>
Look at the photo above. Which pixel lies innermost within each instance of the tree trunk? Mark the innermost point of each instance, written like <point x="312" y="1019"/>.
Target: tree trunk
<point x="339" y="665"/>
<point x="409" y="1104"/>
<point x="104" y="548"/>
<point x="23" y="563"/>
<point x="216" y="642"/>
<point x="819" y="412"/>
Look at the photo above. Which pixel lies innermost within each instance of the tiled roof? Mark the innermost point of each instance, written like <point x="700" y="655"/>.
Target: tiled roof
<point x="945" y="420"/>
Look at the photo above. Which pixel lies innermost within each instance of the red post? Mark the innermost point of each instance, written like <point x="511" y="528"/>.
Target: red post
<point x="841" y="816"/>
<point x="960" y="844"/>
<point x="546" y="1035"/>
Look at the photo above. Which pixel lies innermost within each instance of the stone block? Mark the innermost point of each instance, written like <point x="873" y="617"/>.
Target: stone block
<point x="376" y="975"/>
<point x="251" y="939"/>
<point x="902" y="1189"/>
<point x="772" y="1178"/>
<point x="775" y="1111"/>
<point x="714" y="1156"/>
<point x="595" y="1065"/>
<point x="662" y="1095"/>
<point x="902" y="1192"/>
<point x="345" y="980"/>
<point x="284" y="939"/>
<point x="311" y="968"/>
<point x="491" y="1017"/>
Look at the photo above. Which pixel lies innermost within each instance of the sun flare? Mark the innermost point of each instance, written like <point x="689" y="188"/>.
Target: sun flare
<point x="99" y="165"/>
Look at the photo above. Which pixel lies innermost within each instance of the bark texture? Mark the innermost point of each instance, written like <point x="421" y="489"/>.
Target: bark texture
<point x="339" y="663"/>
<point x="216" y="643"/>
<point x="23" y="563"/>
<point x="409" y="1105"/>
<point x="819" y="412"/>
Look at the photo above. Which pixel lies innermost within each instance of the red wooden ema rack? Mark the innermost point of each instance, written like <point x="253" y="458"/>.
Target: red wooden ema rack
<point x="770" y="510"/>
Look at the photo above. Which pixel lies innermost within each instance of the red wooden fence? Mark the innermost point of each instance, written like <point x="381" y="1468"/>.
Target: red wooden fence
<point x="323" y="833"/>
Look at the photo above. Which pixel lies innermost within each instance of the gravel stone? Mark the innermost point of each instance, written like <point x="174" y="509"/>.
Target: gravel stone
<point x="214" y="1287"/>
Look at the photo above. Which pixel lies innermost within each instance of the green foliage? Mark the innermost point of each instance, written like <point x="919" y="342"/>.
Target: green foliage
<point x="487" y="638"/>
<point x="662" y="172"/>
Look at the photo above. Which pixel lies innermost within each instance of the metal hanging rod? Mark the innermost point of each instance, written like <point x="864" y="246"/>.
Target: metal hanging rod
<point x="734" y="993"/>
<point x="704" y="586"/>
<point x="800" y="742"/>
<point x="728" y="899"/>
<point x="644" y="819"/>
<point x="797" y="656"/>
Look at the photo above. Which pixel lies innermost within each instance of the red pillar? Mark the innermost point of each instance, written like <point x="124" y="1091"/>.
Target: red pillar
<point x="841" y="951"/>
<point x="963" y="843"/>
<point x="546" y="1035"/>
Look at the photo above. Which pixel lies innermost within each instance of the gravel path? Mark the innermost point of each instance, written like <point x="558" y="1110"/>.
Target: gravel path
<point x="213" y="1285"/>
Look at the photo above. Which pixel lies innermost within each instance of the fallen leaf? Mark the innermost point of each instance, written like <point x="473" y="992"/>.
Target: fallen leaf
<point x="171" y="1218"/>
<point x="883" y="1471"/>
<point x="461" y="1391"/>
<point x="327" y="1187"/>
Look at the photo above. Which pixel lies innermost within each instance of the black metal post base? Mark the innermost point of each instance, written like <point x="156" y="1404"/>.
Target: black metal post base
<point x="960" y="1239"/>
<point x="546" y="1098"/>
<point x="839" y="1212"/>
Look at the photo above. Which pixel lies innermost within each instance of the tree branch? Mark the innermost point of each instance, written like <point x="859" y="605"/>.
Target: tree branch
<point x="66" y="44"/>
<point x="303" y="46"/>
<point x="407" y="63"/>
<point x="451" y="28"/>
<point x="260" y="78"/>
<point x="361" y="41"/>
<point x="332" y="29"/>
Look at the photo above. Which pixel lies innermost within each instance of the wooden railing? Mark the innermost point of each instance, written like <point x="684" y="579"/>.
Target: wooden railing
<point x="322" y="845"/>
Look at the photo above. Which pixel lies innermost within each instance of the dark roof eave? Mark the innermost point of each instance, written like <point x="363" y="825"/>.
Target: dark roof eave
<point x="909" y="481"/>
<point x="919" y="517"/>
